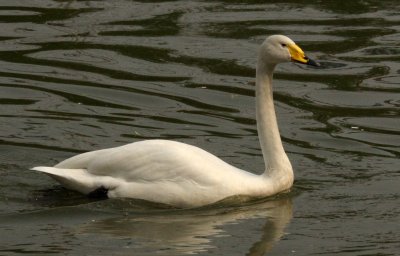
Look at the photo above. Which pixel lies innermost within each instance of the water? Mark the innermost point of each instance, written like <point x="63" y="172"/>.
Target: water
<point x="83" y="75"/>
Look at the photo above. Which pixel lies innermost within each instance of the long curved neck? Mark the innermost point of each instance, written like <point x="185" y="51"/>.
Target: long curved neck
<point x="275" y="158"/>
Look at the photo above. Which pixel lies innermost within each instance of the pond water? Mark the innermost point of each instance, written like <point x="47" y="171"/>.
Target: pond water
<point x="77" y="76"/>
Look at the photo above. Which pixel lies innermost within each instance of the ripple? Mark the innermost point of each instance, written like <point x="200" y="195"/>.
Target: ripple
<point x="382" y="131"/>
<point x="113" y="61"/>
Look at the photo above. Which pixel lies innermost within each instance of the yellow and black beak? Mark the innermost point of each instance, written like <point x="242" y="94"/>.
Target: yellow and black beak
<point x="297" y="55"/>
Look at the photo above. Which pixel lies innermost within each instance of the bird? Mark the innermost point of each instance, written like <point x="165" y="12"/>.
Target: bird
<point x="185" y="176"/>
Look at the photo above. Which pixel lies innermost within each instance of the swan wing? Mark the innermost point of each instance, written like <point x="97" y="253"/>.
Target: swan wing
<point x="153" y="161"/>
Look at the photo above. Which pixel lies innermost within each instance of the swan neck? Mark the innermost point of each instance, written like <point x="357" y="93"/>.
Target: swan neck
<point x="275" y="158"/>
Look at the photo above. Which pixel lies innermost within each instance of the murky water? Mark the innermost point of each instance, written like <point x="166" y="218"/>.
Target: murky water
<point x="83" y="75"/>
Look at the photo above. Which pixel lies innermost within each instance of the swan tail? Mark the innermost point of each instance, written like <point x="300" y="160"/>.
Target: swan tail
<point x="75" y="179"/>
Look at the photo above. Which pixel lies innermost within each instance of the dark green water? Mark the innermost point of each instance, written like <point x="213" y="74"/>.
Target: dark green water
<point x="82" y="75"/>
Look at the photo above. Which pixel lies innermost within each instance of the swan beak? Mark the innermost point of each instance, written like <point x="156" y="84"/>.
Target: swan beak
<point x="297" y="55"/>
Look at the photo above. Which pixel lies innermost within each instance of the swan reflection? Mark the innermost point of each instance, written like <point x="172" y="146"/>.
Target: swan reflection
<point x="199" y="230"/>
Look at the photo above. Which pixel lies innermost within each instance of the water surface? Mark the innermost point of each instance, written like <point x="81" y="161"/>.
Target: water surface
<point x="82" y="75"/>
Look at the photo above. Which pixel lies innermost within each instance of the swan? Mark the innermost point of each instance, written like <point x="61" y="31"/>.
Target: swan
<point x="185" y="176"/>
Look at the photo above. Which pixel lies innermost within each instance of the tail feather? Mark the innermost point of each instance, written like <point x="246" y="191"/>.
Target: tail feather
<point x="76" y="179"/>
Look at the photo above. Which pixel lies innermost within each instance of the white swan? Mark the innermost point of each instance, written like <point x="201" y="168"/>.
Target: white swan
<point x="182" y="175"/>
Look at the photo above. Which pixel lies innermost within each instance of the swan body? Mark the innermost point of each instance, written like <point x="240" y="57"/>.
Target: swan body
<point x="183" y="175"/>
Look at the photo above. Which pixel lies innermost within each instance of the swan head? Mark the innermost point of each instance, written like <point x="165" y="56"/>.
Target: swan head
<point x="278" y="49"/>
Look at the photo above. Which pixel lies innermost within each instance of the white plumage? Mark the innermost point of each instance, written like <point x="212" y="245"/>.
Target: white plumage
<point x="182" y="175"/>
